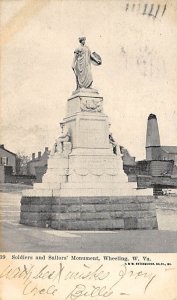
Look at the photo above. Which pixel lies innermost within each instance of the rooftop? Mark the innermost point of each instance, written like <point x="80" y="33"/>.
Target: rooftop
<point x="170" y="149"/>
<point x="2" y="147"/>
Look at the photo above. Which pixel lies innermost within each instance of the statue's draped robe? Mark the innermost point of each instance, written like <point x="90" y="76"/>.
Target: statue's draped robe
<point x="82" y="67"/>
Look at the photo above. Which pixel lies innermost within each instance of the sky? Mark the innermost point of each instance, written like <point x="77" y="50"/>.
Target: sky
<point x="138" y="75"/>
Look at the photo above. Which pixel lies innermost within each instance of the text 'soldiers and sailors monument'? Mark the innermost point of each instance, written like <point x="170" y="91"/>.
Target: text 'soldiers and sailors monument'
<point x="85" y="186"/>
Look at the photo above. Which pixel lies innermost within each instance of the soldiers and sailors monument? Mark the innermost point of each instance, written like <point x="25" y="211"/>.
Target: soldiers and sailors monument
<point x="85" y="187"/>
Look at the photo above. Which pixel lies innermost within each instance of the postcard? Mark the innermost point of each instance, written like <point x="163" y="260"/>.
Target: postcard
<point x="88" y="152"/>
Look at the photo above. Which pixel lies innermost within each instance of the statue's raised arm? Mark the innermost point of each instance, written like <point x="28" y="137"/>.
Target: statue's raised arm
<point x="82" y="64"/>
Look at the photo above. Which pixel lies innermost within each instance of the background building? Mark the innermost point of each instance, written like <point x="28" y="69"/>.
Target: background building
<point x="8" y="163"/>
<point x="159" y="170"/>
<point x="8" y="158"/>
<point x="154" y="151"/>
<point x="38" y="165"/>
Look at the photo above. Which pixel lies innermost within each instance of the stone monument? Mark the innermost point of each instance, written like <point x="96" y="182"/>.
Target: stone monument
<point x="85" y="186"/>
<point x="152" y="139"/>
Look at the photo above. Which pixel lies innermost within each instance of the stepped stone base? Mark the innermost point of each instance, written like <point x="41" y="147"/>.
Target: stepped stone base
<point x="89" y="213"/>
<point x="85" y="187"/>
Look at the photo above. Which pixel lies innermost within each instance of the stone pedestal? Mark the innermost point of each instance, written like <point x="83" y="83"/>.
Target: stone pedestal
<point x="89" y="213"/>
<point x="87" y="166"/>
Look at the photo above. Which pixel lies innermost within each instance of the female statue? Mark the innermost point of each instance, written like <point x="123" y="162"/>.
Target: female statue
<point x="82" y="64"/>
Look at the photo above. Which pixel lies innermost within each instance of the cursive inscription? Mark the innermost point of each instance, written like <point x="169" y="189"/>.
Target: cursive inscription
<point x="92" y="280"/>
<point x="31" y="279"/>
<point x="88" y="274"/>
<point x="94" y="291"/>
<point x="104" y="291"/>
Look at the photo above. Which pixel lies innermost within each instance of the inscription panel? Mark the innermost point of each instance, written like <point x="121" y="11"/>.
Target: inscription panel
<point x="93" y="162"/>
<point x="93" y="133"/>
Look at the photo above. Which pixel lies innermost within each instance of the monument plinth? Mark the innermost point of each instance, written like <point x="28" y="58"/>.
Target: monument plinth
<point x="85" y="186"/>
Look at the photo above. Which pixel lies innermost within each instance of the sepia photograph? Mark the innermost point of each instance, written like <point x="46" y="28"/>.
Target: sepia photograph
<point x="88" y="151"/>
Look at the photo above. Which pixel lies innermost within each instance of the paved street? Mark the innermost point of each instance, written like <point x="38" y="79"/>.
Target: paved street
<point x="19" y="238"/>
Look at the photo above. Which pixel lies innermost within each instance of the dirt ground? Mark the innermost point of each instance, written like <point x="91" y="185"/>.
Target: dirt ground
<point x="19" y="238"/>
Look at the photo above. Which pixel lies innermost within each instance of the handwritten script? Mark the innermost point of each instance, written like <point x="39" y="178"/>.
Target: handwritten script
<point x="90" y="281"/>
